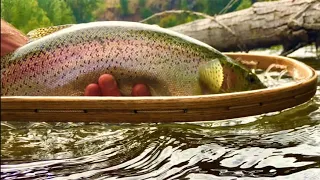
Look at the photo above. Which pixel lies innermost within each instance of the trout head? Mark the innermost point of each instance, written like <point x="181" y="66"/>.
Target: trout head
<point x="225" y="75"/>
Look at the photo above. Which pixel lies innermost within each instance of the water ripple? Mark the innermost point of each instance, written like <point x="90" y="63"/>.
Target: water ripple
<point x="162" y="151"/>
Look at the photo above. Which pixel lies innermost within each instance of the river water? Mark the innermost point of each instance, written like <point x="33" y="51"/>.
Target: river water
<point x="278" y="145"/>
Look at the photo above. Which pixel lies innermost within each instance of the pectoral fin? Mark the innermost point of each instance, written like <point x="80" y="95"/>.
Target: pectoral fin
<point x="41" y="32"/>
<point x="211" y="75"/>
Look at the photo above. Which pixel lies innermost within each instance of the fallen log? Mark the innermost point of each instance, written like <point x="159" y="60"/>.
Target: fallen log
<point x="292" y="24"/>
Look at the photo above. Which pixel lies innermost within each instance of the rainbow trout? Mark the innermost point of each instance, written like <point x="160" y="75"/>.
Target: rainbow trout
<point x="171" y="64"/>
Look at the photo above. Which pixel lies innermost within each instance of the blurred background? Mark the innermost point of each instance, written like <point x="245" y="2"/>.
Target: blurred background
<point x="31" y="14"/>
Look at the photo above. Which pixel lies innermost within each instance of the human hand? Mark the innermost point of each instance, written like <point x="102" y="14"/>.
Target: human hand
<point x="11" y="38"/>
<point x="107" y="86"/>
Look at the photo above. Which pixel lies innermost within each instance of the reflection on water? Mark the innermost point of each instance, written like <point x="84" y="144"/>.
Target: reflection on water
<point x="284" y="144"/>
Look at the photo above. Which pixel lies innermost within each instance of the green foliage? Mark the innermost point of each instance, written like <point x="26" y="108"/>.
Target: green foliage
<point x="200" y="6"/>
<point x="57" y="11"/>
<point x="212" y="7"/>
<point x="168" y="21"/>
<point x="83" y="10"/>
<point x="184" y="4"/>
<point x="27" y="15"/>
<point x="142" y="3"/>
<point x="124" y="7"/>
<point x="24" y="16"/>
<point x="244" y="4"/>
<point x="145" y="12"/>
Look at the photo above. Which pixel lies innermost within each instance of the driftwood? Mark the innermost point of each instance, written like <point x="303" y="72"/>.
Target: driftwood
<point x="291" y="23"/>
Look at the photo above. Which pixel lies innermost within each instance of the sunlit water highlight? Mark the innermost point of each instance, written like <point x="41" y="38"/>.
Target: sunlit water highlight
<point x="281" y="145"/>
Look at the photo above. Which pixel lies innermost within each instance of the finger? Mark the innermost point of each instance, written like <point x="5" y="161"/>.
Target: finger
<point x="140" y="90"/>
<point x="92" y="90"/>
<point x="11" y="38"/>
<point x="108" y="85"/>
<point x="9" y="45"/>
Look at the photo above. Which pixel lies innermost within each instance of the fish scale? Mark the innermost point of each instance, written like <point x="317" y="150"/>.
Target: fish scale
<point x="66" y="61"/>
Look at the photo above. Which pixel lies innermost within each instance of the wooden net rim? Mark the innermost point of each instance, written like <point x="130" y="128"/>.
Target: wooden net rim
<point x="169" y="109"/>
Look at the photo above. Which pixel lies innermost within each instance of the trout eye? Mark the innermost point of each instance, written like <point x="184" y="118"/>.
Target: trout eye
<point x="251" y="79"/>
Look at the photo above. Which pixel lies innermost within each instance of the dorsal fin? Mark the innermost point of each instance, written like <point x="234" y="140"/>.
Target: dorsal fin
<point x="41" y="32"/>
